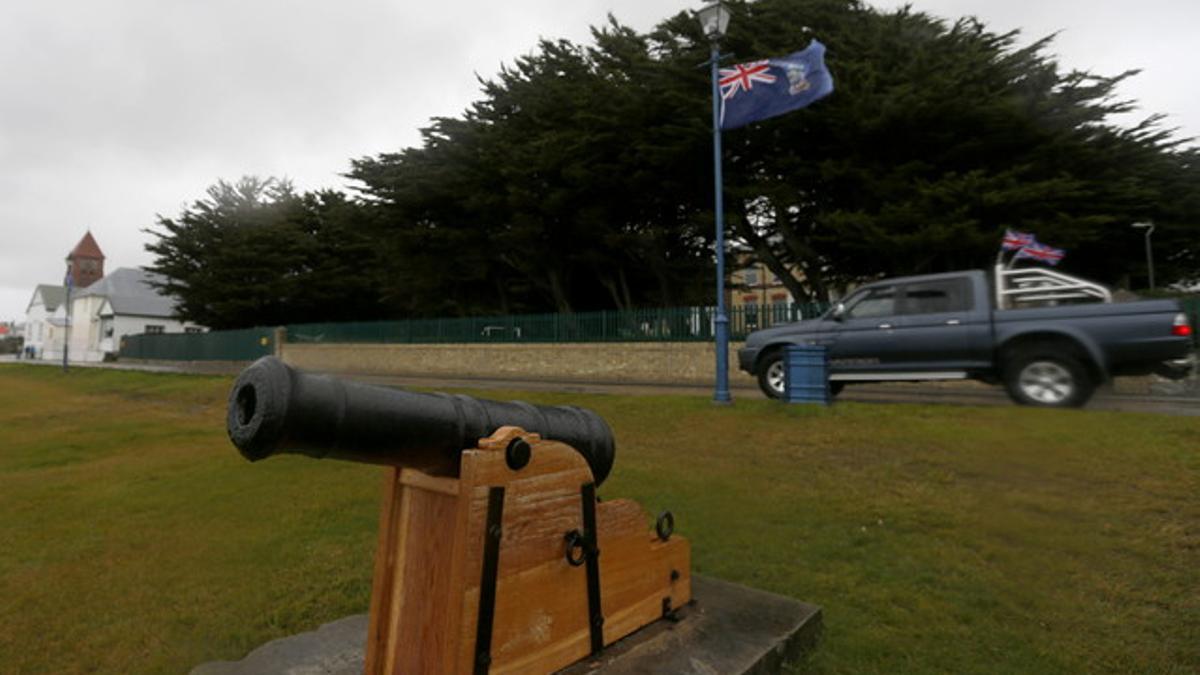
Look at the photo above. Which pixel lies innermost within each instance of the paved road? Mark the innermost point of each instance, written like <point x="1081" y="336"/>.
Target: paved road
<point x="954" y="393"/>
<point x="965" y="393"/>
<point x="1103" y="400"/>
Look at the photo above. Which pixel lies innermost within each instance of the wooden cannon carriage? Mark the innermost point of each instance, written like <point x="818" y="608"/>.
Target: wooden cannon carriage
<point x="495" y="553"/>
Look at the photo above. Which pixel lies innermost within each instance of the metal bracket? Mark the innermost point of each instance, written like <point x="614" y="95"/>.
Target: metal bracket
<point x="665" y="525"/>
<point x="487" y="583"/>
<point x="595" y="613"/>
<point x="575" y="548"/>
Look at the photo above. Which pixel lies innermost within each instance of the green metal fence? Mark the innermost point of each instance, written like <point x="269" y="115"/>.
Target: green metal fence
<point x="226" y="345"/>
<point x="690" y="324"/>
<point x="686" y="324"/>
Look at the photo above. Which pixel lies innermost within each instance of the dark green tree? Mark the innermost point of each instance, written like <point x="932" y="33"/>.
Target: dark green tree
<point x="556" y="177"/>
<point x="254" y="252"/>
<point x="581" y="179"/>
<point x="939" y="136"/>
<point x="584" y="171"/>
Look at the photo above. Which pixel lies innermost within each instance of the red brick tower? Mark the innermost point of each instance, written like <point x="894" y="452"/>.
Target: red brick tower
<point x="86" y="262"/>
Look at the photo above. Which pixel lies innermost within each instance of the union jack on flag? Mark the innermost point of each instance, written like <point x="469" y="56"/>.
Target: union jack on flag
<point x="1015" y="241"/>
<point x="1041" y="253"/>
<point x="743" y="76"/>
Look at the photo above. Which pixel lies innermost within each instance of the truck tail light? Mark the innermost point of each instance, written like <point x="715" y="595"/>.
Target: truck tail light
<point x="1181" y="327"/>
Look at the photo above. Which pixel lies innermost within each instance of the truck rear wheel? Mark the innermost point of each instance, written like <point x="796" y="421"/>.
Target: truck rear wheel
<point x="1048" y="380"/>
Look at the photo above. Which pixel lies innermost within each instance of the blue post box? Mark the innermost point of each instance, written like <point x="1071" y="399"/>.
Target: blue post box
<point x="806" y="374"/>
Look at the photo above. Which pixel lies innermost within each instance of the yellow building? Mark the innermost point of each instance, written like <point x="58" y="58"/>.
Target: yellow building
<point x="757" y="298"/>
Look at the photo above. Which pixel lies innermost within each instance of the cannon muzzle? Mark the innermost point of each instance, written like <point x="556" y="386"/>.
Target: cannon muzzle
<point x="275" y="409"/>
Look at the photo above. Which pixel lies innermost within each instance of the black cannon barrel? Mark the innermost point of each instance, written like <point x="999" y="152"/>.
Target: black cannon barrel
<point x="274" y="409"/>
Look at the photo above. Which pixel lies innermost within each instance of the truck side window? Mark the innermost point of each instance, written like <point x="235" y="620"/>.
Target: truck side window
<point x="875" y="302"/>
<point x="936" y="297"/>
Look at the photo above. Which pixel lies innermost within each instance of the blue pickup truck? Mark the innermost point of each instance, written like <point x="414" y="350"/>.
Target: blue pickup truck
<point x="1049" y="338"/>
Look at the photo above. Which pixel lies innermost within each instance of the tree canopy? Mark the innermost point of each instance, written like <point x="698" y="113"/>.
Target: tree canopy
<point x="581" y="179"/>
<point x="940" y="136"/>
<point x="255" y="252"/>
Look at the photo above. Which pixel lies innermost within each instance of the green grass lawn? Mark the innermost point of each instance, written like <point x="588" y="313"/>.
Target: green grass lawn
<point x="937" y="539"/>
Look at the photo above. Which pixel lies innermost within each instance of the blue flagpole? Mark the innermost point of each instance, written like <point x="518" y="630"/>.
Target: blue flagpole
<point x="721" y="393"/>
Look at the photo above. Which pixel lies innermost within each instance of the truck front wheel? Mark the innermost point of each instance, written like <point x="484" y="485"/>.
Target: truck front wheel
<point x="771" y="375"/>
<point x="772" y="381"/>
<point x="1048" y="380"/>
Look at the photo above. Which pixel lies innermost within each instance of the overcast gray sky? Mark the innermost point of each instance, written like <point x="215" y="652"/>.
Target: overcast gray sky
<point x="112" y="111"/>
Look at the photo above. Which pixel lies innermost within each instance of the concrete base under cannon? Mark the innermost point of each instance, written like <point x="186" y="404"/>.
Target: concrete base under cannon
<point x="728" y="630"/>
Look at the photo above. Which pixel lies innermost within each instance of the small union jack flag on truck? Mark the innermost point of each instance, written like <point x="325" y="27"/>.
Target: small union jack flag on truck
<point x="1041" y="253"/>
<point x="1015" y="241"/>
<point x="1028" y="248"/>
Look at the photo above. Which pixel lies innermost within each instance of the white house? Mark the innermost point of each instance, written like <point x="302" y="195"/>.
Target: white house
<point x="122" y="303"/>
<point x="100" y="310"/>
<point x="41" y="326"/>
<point x="46" y="314"/>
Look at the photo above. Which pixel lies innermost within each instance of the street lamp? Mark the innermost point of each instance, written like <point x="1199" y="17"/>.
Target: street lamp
<point x="714" y="19"/>
<point x="1149" y="228"/>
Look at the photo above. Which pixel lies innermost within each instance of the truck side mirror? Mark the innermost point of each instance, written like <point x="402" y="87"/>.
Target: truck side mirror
<point x="839" y="311"/>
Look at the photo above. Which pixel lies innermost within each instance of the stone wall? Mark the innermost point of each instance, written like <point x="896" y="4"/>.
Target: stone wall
<point x="200" y="367"/>
<point x="627" y="362"/>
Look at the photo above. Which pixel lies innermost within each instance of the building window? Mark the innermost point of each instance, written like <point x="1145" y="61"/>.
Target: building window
<point x="750" y="309"/>
<point x="751" y="277"/>
<point x="155" y="330"/>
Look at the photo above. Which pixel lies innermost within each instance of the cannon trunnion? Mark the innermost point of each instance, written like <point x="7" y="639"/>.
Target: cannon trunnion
<point x="495" y="555"/>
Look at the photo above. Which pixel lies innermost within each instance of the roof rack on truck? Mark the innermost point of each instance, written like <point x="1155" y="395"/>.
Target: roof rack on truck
<point x="1038" y="284"/>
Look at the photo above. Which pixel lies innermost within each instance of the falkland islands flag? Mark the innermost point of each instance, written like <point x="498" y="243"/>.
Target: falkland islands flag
<point x="759" y="90"/>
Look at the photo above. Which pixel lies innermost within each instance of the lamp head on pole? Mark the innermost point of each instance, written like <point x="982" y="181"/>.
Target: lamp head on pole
<point x="1148" y="227"/>
<point x="714" y="19"/>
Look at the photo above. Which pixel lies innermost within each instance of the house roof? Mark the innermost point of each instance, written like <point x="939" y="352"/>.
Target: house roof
<point x="86" y="248"/>
<point x="129" y="292"/>
<point x="52" y="296"/>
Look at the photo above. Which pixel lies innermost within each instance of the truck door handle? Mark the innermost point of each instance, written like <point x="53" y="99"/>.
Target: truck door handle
<point x="885" y="326"/>
<point x="952" y="322"/>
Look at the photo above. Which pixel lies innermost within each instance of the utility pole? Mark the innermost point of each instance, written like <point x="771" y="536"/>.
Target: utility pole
<point x="1149" y="228"/>
<point x="67" y="321"/>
